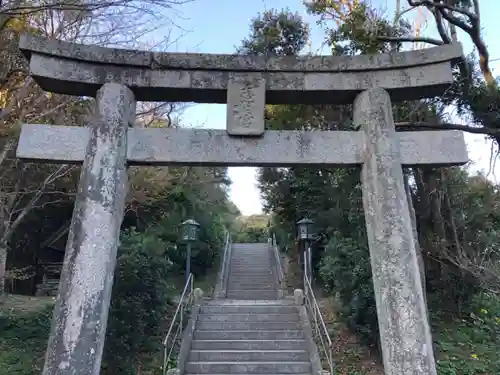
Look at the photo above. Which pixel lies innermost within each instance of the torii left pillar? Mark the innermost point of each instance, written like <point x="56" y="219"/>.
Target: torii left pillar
<point x="81" y="313"/>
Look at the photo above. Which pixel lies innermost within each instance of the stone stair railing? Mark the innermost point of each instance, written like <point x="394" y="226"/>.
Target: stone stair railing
<point x="280" y="274"/>
<point x="318" y="326"/>
<point x="221" y="285"/>
<point x="179" y="326"/>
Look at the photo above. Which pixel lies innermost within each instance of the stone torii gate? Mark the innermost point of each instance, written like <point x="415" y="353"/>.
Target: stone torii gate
<point x="117" y="78"/>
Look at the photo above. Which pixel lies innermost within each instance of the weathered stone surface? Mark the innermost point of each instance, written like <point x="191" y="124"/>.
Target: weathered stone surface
<point x="73" y="77"/>
<point x="214" y="147"/>
<point x="246" y="99"/>
<point x="298" y="296"/>
<point x="197" y="296"/>
<point x="404" y="329"/>
<point x="52" y="143"/>
<point x="173" y="371"/>
<point x="30" y="44"/>
<point x="81" y="312"/>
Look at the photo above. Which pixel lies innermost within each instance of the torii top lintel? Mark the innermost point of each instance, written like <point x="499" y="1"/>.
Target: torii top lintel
<point x="77" y="69"/>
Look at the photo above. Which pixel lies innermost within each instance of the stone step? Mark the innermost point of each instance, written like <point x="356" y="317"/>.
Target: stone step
<point x="245" y="374"/>
<point x="291" y="334"/>
<point x="252" y="309"/>
<point x="248" y="272"/>
<point x="248" y="317"/>
<point x="264" y="293"/>
<point x="258" y="285"/>
<point x="242" y="297"/>
<point x="248" y="355"/>
<point x="252" y="263"/>
<point x="252" y="294"/>
<point x="248" y="367"/>
<point x="246" y="326"/>
<point x="249" y="275"/>
<point x="255" y="286"/>
<point x="248" y="344"/>
<point x="247" y="284"/>
<point x="235" y="302"/>
<point x="253" y="266"/>
<point x="250" y="297"/>
<point x="250" y="278"/>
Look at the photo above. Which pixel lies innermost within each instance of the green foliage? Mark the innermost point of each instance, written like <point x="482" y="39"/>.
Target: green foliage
<point x="23" y="339"/>
<point x="361" y="30"/>
<point x="139" y="302"/>
<point x="251" y="229"/>
<point x="151" y="262"/>
<point x="276" y="33"/>
<point x="469" y="346"/>
<point x="346" y="270"/>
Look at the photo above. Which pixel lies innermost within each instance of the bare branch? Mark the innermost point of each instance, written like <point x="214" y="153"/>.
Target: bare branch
<point x="449" y="126"/>
<point x="443" y="11"/>
<point x="411" y="39"/>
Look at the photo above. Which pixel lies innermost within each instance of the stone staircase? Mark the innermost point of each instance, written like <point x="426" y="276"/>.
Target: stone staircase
<point x="251" y="331"/>
<point x="251" y="275"/>
<point x="248" y="337"/>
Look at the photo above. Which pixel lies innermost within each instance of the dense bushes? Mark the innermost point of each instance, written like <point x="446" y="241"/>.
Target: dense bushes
<point x="142" y="305"/>
<point x="251" y="229"/>
<point x="23" y="339"/>
<point x="150" y="271"/>
<point x="469" y="345"/>
<point x="140" y="301"/>
<point x="346" y="271"/>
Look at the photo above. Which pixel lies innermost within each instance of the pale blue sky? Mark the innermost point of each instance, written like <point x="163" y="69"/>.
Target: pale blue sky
<point x="218" y="26"/>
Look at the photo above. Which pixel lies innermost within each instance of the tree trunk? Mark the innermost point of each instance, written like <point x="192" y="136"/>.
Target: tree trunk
<point x="3" y="267"/>
<point x="418" y="249"/>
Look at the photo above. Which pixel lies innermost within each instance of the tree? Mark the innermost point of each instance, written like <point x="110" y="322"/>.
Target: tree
<point x="450" y="247"/>
<point x="275" y="33"/>
<point x="118" y="23"/>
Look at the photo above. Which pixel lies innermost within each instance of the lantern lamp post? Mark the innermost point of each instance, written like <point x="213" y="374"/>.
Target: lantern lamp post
<point x="305" y="234"/>
<point x="190" y="229"/>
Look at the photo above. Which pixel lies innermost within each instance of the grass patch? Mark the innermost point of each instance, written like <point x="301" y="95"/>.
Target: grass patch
<point x="470" y="345"/>
<point x="205" y="282"/>
<point x="24" y="330"/>
<point x="349" y="355"/>
<point x="466" y="346"/>
<point x="25" y="326"/>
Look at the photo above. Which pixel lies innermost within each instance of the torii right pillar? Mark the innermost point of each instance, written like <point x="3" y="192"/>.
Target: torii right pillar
<point x="405" y="334"/>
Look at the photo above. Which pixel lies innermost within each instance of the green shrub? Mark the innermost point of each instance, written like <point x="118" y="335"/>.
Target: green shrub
<point x="470" y="346"/>
<point x="23" y="339"/>
<point x="140" y="302"/>
<point x="346" y="271"/>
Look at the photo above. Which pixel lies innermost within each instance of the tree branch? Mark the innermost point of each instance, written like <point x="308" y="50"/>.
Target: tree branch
<point x="449" y="126"/>
<point x="410" y="39"/>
